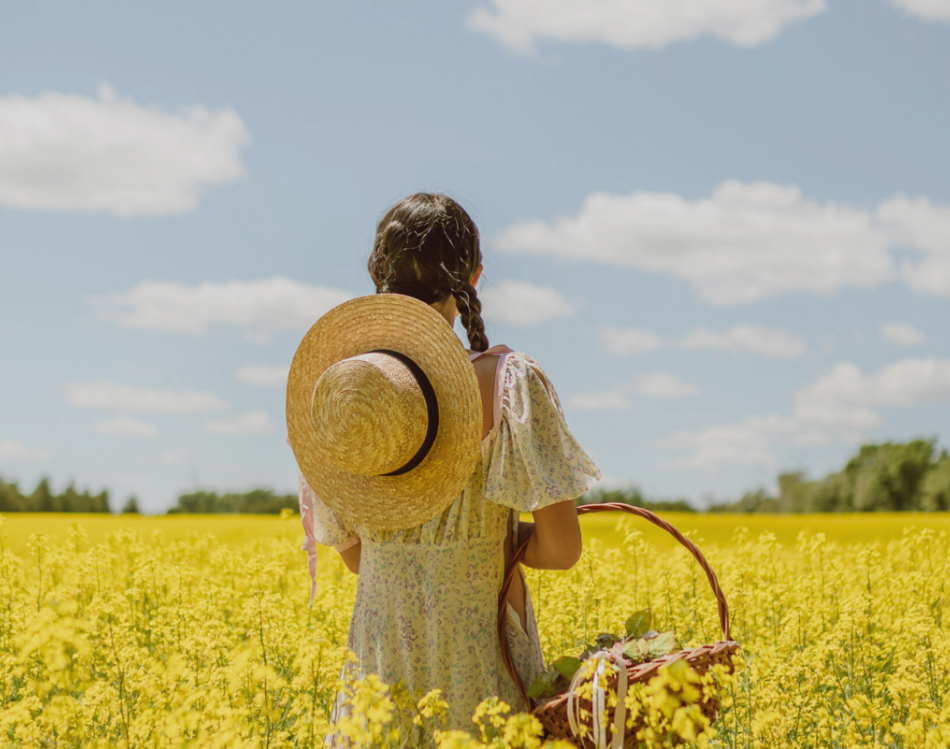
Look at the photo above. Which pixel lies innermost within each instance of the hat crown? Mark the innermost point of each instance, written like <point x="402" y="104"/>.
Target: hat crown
<point x="369" y="414"/>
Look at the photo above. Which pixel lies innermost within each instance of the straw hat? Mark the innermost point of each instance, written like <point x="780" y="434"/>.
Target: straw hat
<point x="384" y="413"/>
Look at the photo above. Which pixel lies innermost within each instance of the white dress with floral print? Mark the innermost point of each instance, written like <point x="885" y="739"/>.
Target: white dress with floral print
<point x="427" y="597"/>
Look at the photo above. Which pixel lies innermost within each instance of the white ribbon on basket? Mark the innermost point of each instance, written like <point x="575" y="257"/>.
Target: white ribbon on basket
<point x="598" y="700"/>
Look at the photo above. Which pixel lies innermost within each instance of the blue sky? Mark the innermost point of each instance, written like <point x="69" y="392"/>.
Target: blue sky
<point x="723" y="231"/>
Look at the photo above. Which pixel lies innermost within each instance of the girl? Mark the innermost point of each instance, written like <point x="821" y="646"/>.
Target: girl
<point x="426" y="602"/>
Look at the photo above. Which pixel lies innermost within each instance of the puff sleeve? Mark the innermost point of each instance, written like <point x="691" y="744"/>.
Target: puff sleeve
<point x="535" y="460"/>
<point x="320" y="526"/>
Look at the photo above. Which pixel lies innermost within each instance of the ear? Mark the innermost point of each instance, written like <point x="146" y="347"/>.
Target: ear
<point x="478" y="274"/>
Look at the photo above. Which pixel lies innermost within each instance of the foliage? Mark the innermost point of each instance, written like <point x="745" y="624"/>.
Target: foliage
<point x="638" y="644"/>
<point x="633" y="496"/>
<point x="148" y="641"/>
<point x="256" y="502"/>
<point x="42" y="499"/>
<point x="888" y="477"/>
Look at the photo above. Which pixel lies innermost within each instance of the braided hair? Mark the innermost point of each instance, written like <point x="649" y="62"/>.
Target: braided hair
<point x="427" y="247"/>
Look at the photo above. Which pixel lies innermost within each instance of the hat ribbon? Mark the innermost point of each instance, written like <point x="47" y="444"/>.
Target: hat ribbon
<point x="432" y="410"/>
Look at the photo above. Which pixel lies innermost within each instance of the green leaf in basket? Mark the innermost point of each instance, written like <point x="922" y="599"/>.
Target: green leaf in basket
<point x="663" y="644"/>
<point x="648" y="648"/>
<point x="636" y="650"/>
<point x="567" y="667"/>
<point x="546" y="685"/>
<point x="639" y="624"/>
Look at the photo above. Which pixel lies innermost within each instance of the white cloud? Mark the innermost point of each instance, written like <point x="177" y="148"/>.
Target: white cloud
<point x="172" y="457"/>
<point x="246" y="424"/>
<point x="845" y="400"/>
<point x="744" y="243"/>
<point x="755" y="338"/>
<point x="66" y="152"/>
<point x="649" y="385"/>
<point x="260" y="308"/>
<point x="521" y="304"/>
<point x="663" y="385"/>
<point x="624" y="342"/>
<point x="841" y="406"/>
<point x="13" y="450"/>
<point x="601" y="400"/>
<point x="928" y="10"/>
<point x="918" y="224"/>
<point x="264" y="375"/>
<point x="901" y="334"/>
<point x="124" y="426"/>
<point x="131" y="398"/>
<point x="632" y="24"/>
<point x="744" y="443"/>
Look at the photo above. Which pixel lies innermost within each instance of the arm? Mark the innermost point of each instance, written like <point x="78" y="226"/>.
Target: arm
<point x="555" y="542"/>
<point x="351" y="556"/>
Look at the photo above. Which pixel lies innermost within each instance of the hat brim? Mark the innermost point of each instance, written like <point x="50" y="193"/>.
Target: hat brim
<point x="406" y="325"/>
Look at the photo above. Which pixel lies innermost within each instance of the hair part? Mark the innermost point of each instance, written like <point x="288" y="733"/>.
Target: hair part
<point x="427" y="247"/>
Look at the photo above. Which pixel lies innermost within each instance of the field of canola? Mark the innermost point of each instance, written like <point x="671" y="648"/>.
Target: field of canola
<point x="195" y="632"/>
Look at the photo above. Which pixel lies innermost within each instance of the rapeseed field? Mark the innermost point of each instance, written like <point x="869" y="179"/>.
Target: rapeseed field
<point x="195" y="632"/>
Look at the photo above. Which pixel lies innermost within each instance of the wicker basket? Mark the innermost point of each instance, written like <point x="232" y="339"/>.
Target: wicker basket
<point x="553" y="714"/>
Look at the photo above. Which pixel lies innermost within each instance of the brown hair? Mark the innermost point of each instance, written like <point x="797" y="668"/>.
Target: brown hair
<point x="427" y="247"/>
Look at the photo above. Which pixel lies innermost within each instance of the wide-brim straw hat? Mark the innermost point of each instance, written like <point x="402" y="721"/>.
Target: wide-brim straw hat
<point x="384" y="412"/>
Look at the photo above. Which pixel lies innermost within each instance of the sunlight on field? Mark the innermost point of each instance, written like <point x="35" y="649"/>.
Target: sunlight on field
<point x="195" y="632"/>
<point x="232" y="530"/>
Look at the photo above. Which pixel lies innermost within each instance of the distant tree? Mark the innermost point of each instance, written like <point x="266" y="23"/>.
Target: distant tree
<point x="889" y="476"/>
<point x="256" y="501"/>
<point x="633" y="496"/>
<point x="10" y="498"/>
<point x="935" y="489"/>
<point x="41" y="500"/>
<point x="131" y="506"/>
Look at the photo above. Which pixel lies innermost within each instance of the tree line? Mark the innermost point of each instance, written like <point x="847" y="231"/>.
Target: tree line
<point x="888" y="477"/>
<point x="885" y="477"/>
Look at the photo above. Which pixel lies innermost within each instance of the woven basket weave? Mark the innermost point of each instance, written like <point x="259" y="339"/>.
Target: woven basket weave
<point x="553" y="714"/>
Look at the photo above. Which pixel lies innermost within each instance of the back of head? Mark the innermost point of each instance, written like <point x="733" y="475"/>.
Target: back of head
<point x="427" y="247"/>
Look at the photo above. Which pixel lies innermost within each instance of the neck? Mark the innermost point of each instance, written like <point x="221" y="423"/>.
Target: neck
<point x="447" y="309"/>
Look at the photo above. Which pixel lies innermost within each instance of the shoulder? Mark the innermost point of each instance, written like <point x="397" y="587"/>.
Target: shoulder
<point x="525" y="383"/>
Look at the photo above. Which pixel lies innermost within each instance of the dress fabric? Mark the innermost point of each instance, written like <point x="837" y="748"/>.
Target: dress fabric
<point x="427" y="597"/>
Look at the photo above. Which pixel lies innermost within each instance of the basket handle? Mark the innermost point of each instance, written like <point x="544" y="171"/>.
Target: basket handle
<point x="516" y="558"/>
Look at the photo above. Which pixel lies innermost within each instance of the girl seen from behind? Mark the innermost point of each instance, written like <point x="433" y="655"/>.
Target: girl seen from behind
<point x="427" y="595"/>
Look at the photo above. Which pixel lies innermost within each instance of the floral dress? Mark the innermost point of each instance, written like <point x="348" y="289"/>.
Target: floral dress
<point x="427" y="597"/>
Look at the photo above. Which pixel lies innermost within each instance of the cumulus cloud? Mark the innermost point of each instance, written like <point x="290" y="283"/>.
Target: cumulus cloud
<point x="627" y="341"/>
<point x="743" y="443"/>
<point x="264" y="375"/>
<point x="103" y="394"/>
<point x="663" y="385"/>
<point x="841" y="406"/>
<point x="648" y="385"/>
<point x="598" y="400"/>
<point x="845" y="401"/>
<point x="66" y="152"/>
<point x="918" y="224"/>
<point x="260" y="308"/>
<point x="521" y="304"/>
<point x="633" y="24"/>
<point x="928" y="10"/>
<point x="748" y="242"/>
<point x="127" y="427"/>
<point x="902" y="334"/>
<point x="13" y="450"/>
<point x="757" y="339"/>
<point x="248" y="424"/>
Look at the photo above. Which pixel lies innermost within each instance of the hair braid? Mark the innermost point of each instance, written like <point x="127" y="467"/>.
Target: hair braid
<point x="470" y="310"/>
